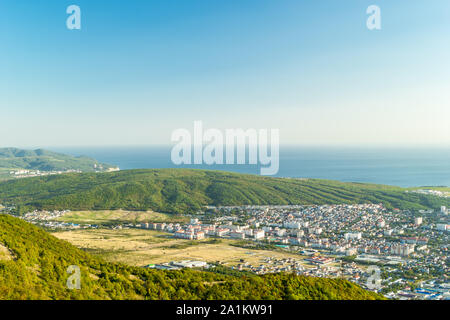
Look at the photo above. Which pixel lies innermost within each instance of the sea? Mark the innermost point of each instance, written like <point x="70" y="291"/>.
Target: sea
<point x="405" y="167"/>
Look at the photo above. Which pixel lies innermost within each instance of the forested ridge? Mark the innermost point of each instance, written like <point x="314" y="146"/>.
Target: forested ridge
<point x="44" y="160"/>
<point x="187" y="191"/>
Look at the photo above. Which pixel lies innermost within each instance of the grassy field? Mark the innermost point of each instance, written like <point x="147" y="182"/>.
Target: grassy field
<point x="141" y="247"/>
<point x="119" y="216"/>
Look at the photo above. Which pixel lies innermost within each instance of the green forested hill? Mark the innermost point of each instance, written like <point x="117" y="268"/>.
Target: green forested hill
<point x="182" y="190"/>
<point x="44" y="160"/>
<point x="38" y="270"/>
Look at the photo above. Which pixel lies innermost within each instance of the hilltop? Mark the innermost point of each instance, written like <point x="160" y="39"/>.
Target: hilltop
<point x="37" y="269"/>
<point x="187" y="191"/>
<point x="44" y="160"/>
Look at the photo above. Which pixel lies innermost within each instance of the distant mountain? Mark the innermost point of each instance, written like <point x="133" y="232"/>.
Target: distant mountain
<point x="36" y="267"/>
<point x="187" y="191"/>
<point x="44" y="160"/>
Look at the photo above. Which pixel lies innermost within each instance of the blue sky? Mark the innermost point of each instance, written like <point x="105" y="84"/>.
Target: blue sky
<point x="137" y="70"/>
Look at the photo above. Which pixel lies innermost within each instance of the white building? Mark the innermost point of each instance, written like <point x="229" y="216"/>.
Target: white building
<point x="418" y="221"/>
<point x="258" y="234"/>
<point x="292" y="225"/>
<point x="353" y="236"/>
<point x="200" y="235"/>
<point x="443" y="210"/>
<point x="299" y="234"/>
<point x="220" y="232"/>
<point x="402" y="249"/>
<point x="184" y="235"/>
<point x="189" y="264"/>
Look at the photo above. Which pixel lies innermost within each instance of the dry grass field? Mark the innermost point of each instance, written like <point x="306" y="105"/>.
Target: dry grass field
<point x="118" y="216"/>
<point x="142" y="247"/>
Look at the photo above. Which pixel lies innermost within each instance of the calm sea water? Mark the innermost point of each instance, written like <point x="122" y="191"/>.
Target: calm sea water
<point x="405" y="167"/>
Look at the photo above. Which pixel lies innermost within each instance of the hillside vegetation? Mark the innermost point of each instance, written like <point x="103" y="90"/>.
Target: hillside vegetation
<point x="44" y="160"/>
<point x="38" y="270"/>
<point x="186" y="191"/>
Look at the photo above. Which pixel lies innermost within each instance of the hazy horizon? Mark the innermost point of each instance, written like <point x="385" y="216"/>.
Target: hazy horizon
<point x="170" y="145"/>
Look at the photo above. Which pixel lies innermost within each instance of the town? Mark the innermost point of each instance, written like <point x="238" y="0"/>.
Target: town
<point x="409" y="248"/>
<point x="25" y="173"/>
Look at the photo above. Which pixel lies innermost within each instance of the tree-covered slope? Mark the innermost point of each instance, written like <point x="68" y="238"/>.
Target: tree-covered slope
<point x="38" y="270"/>
<point x="44" y="160"/>
<point x="182" y="190"/>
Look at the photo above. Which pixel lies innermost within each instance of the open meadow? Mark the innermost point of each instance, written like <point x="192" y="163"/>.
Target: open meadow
<point x="142" y="247"/>
<point x="119" y="216"/>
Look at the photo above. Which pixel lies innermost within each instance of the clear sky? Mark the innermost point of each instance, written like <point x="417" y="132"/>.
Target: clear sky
<point x="137" y="70"/>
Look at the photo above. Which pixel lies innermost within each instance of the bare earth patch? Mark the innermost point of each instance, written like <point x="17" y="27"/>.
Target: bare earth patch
<point x="5" y="253"/>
